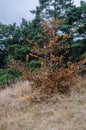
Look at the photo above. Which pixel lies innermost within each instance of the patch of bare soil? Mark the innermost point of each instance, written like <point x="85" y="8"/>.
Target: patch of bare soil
<point x="58" y="113"/>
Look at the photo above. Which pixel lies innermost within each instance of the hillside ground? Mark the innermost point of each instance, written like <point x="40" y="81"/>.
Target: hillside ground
<point x="60" y="112"/>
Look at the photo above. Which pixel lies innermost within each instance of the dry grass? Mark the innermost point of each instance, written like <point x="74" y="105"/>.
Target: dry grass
<point x="61" y="112"/>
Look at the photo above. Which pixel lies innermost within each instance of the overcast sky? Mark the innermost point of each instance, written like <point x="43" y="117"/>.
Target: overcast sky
<point x="14" y="10"/>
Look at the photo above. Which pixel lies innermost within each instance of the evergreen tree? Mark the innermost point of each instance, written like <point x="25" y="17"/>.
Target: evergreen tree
<point x="53" y="8"/>
<point x="76" y="19"/>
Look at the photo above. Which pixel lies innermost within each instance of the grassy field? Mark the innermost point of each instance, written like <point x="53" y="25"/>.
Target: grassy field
<point x="60" y="112"/>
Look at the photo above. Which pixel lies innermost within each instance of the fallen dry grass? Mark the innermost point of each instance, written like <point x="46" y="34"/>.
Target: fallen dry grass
<point x="61" y="112"/>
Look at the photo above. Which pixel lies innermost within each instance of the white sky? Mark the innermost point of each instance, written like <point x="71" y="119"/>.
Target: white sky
<point x="14" y="10"/>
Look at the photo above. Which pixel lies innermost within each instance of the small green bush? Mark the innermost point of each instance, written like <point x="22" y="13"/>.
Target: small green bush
<point x="83" y="55"/>
<point x="8" y="76"/>
<point x="35" y="64"/>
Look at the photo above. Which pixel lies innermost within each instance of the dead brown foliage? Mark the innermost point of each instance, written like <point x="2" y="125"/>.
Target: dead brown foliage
<point x="57" y="75"/>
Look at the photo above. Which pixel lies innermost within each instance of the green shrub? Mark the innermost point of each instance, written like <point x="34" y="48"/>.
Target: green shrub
<point x="83" y="55"/>
<point x="35" y="64"/>
<point x="8" y="76"/>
